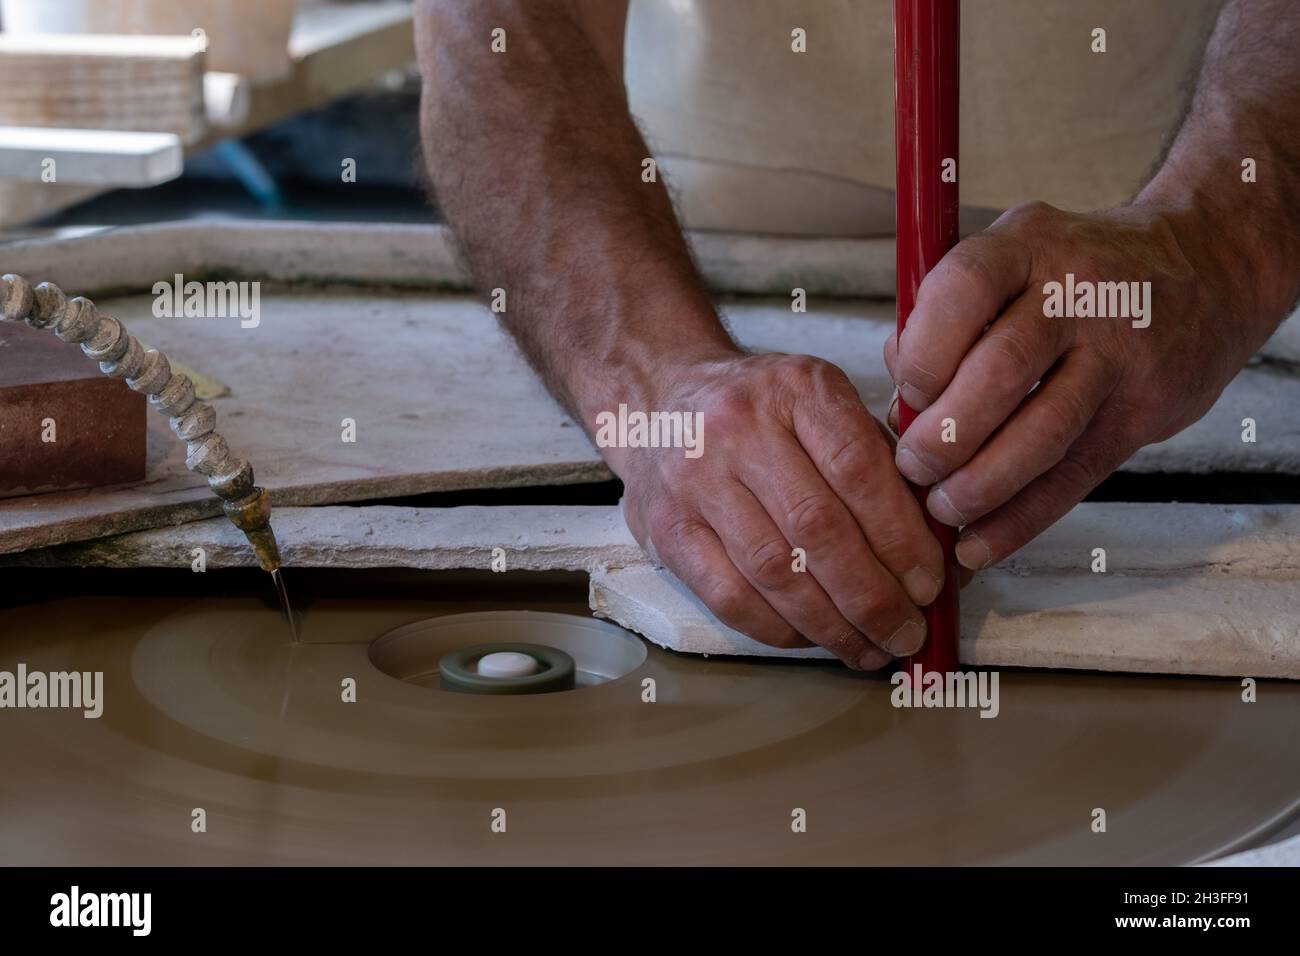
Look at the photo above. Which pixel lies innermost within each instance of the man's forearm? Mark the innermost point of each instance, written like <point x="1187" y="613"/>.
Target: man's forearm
<point x="1246" y="107"/>
<point x="537" y="165"/>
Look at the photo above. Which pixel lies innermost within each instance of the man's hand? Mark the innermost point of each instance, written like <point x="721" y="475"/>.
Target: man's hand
<point x="606" y="302"/>
<point x="1038" y="409"/>
<point x="791" y="459"/>
<point x="979" y="342"/>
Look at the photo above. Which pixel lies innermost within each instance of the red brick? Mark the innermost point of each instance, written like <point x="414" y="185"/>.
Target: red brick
<point x="99" y="422"/>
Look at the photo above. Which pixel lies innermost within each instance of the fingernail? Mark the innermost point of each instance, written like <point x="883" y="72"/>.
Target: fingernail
<point x="891" y="413"/>
<point x="912" y="468"/>
<point x="921" y="586"/>
<point x="916" y="400"/>
<point x="941" y="506"/>
<point x="907" y="640"/>
<point x="972" y="552"/>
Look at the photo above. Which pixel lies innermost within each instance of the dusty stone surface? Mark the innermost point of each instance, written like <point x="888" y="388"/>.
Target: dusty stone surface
<point x="1249" y="541"/>
<point x="440" y="398"/>
<point x="1189" y="589"/>
<point x="533" y="539"/>
<point x="1147" y="625"/>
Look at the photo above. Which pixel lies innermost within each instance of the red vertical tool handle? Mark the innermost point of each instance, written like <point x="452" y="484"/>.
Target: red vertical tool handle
<point x="926" y="82"/>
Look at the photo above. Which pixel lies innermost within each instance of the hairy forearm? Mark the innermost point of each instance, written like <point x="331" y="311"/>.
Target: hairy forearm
<point x="1246" y="106"/>
<point x="537" y="165"/>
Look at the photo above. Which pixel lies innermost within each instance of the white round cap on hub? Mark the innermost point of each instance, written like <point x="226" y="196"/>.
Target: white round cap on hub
<point x="507" y="664"/>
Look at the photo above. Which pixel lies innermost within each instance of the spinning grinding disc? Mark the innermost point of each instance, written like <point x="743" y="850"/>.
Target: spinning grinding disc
<point x="664" y="759"/>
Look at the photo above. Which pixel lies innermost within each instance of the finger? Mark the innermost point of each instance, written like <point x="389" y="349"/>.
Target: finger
<point x="891" y="354"/>
<point x="1100" y="450"/>
<point x="851" y="457"/>
<point x="692" y="551"/>
<point x="957" y="299"/>
<point x="992" y="381"/>
<point x="1037" y="436"/>
<point x="762" y="554"/>
<point x="839" y="559"/>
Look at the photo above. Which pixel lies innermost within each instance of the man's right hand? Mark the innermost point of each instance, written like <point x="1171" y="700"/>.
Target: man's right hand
<point x="791" y="459"/>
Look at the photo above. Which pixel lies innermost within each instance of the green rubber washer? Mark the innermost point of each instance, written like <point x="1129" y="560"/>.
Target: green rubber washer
<point x="458" y="671"/>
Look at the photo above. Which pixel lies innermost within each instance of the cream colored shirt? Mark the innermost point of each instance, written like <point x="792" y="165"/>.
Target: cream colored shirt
<point x="755" y="137"/>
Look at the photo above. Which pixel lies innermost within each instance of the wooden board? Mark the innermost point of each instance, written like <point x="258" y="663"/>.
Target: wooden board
<point x="77" y="81"/>
<point x="334" y="49"/>
<point x="89" y="156"/>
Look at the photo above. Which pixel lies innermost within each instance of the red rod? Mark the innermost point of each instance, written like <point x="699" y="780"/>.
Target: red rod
<point x="926" y="80"/>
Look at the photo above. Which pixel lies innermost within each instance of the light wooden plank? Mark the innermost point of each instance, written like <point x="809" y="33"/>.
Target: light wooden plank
<point x="89" y="156"/>
<point x="334" y="50"/>
<point x="133" y="83"/>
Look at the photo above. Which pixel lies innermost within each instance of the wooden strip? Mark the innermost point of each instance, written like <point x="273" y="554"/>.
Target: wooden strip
<point x="138" y="83"/>
<point x="89" y="157"/>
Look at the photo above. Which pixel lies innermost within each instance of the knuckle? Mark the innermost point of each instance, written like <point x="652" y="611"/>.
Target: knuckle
<point x="850" y="462"/>
<point x="896" y="540"/>
<point x="1077" y="473"/>
<point x="769" y="565"/>
<point x="1014" y="346"/>
<point x="673" y="530"/>
<point x="804" y="365"/>
<point x="814" y="518"/>
<point x="1064" y="416"/>
<point x="730" y="403"/>
<point x="804" y="374"/>
<point x="1033" y="212"/>
<point x="966" y="269"/>
<point x="728" y="599"/>
<point x="873" y="609"/>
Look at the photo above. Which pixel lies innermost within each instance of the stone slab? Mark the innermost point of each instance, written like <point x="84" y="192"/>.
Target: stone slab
<point x="1217" y="591"/>
<point x="534" y="538"/>
<point x="1133" y="624"/>
<point x="1188" y="589"/>
<point x="440" y="398"/>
